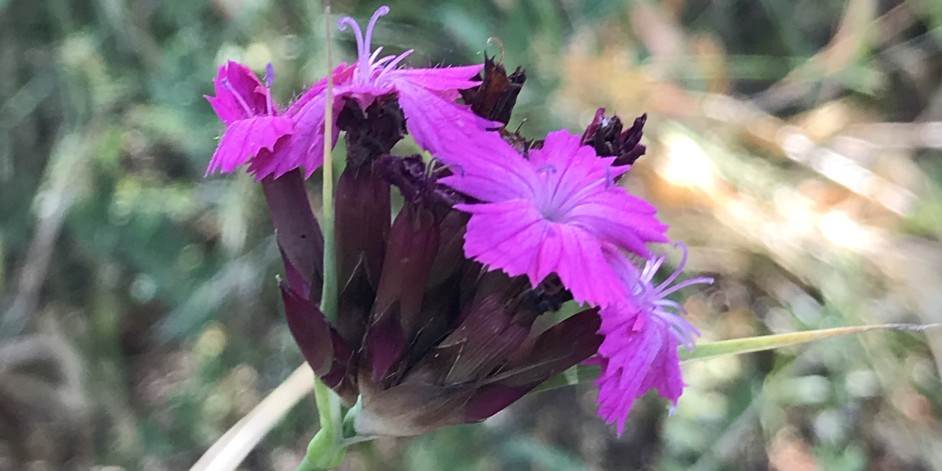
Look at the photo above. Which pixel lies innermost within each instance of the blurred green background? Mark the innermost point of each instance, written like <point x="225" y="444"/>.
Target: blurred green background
<point x="795" y="145"/>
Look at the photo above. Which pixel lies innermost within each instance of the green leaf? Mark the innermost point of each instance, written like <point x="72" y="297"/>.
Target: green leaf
<point x="586" y="373"/>
<point x="768" y="342"/>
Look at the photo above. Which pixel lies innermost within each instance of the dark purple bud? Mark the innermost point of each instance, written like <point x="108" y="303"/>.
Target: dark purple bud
<point x="496" y="96"/>
<point x="441" y="305"/>
<point x="297" y="232"/>
<point x="632" y="148"/>
<point x="605" y="135"/>
<point x="557" y="349"/>
<point x="554" y="351"/>
<point x="362" y="230"/>
<point x="322" y="347"/>
<point x="488" y="334"/>
<point x="450" y="261"/>
<point x="413" y="244"/>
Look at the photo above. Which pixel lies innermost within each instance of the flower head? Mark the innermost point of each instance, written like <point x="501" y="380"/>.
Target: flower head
<point x="253" y="124"/>
<point x="556" y="210"/>
<point x="641" y="337"/>
<point x="426" y="95"/>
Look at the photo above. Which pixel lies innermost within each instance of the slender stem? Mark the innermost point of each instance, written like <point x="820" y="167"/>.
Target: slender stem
<point x="325" y="450"/>
<point x="329" y="300"/>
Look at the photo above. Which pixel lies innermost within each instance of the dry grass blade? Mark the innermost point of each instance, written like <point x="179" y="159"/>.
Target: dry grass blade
<point x="233" y="446"/>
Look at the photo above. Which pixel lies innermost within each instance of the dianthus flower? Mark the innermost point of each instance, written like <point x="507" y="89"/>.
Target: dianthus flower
<point x="281" y="143"/>
<point x="438" y="309"/>
<point x="257" y="132"/>
<point x="639" y="350"/>
<point x="555" y="210"/>
<point x="253" y="123"/>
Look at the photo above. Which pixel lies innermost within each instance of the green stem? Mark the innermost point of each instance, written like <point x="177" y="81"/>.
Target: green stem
<point x="326" y="450"/>
<point x="329" y="299"/>
<point x="322" y="452"/>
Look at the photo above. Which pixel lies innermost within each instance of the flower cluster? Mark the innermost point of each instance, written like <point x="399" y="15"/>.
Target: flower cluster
<point x="437" y="306"/>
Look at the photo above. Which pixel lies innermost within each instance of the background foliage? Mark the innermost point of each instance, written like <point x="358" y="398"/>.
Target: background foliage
<point x="794" y="144"/>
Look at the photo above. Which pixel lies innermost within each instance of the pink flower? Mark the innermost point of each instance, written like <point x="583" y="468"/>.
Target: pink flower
<point x="555" y="210"/>
<point x="253" y="124"/>
<point x="256" y="131"/>
<point x="641" y="338"/>
<point x="294" y="140"/>
<point x="426" y="97"/>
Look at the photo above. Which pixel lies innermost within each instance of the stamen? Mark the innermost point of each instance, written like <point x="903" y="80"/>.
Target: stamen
<point x="380" y="12"/>
<point x="245" y="106"/>
<point x="367" y="62"/>
<point x="651" y="267"/>
<point x="357" y="33"/>
<point x="379" y="64"/>
<point x="392" y="65"/>
<point x="269" y="79"/>
<point x="685" y="332"/>
<point x="375" y="55"/>
<point x="667" y="303"/>
<point x="269" y="75"/>
<point x="702" y="280"/>
<point x="680" y="268"/>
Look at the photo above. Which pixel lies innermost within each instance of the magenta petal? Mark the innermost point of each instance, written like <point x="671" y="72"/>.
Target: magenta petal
<point x="491" y="173"/>
<point x="620" y="218"/>
<point x="551" y="211"/>
<point x="247" y="137"/>
<point x="438" y="125"/>
<point x="236" y="84"/>
<point x="440" y="79"/>
<point x="342" y="74"/>
<point x="305" y="148"/>
<point x="505" y="235"/>
<point x="664" y="375"/>
<point x="514" y="237"/>
<point x="583" y="268"/>
<point x="627" y="352"/>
